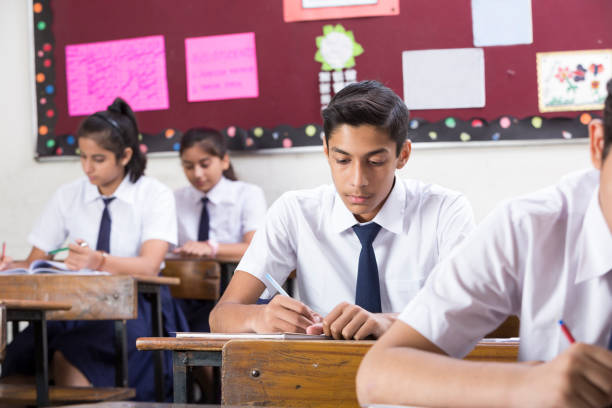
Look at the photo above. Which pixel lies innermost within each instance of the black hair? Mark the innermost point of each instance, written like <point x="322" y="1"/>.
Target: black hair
<point x="607" y="122"/>
<point x="211" y="141"/>
<point x="115" y="129"/>
<point x="368" y="103"/>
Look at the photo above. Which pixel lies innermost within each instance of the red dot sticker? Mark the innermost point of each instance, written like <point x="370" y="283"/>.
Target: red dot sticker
<point x="144" y="148"/>
<point x="43" y="101"/>
<point x="477" y="123"/>
<point x="59" y="151"/>
<point x="47" y="47"/>
<point x="287" y="143"/>
<point x="50" y="113"/>
<point x="231" y="131"/>
<point x="47" y="63"/>
<point x="40" y="53"/>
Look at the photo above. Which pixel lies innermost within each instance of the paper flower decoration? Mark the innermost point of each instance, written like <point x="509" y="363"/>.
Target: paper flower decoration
<point x="337" y="48"/>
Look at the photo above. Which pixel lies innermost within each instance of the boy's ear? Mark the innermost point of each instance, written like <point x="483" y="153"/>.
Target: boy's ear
<point x="325" y="149"/>
<point x="596" y="142"/>
<point x="225" y="161"/>
<point x="404" y="154"/>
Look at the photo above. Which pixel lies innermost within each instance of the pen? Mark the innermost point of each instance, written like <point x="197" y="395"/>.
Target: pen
<point x="567" y="332"/>
<point x="276" y="286"/>
<point x="55" y="251"/>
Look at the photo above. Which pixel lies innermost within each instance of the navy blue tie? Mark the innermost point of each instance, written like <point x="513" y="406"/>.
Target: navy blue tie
<point x="368" y="288"/>
<point x="105" y="228"/>
<point x="204" y="221"/>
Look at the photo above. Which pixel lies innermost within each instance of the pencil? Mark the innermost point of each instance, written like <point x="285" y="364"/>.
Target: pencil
<point x="276" y="286"/>
<point x="55" y="251"/>
<point x="3" y="251"/>
<point x="567" y="332"/>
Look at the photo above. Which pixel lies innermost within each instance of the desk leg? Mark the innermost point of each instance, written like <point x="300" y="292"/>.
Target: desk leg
<point x="42" y="361"/>
<point x="121" y="366"/>
<point x="180" y="377"/>
<point x="158" y="356"/>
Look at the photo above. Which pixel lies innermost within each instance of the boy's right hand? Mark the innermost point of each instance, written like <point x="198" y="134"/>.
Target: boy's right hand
<point x="581" y="376"/>
<point x="285" y="315"/>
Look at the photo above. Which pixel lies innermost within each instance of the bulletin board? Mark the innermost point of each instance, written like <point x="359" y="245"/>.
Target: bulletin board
<point x="285" y="112"/>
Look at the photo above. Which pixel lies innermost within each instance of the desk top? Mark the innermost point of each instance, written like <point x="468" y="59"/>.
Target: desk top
<point x="157" y="280"/>
<point x="182" y="344"/>
<point x="221" y="259"/>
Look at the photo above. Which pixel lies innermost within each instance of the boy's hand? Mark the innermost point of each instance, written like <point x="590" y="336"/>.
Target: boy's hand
<point x="285" y="315"/>
<point x="348" y="321"/>
<point x="81" y="256"/>
<point x="6" y="262"/>
<point x="581" y="376"/>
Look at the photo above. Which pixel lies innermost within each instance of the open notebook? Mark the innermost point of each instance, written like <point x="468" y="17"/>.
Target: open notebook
<point x="44" y="266"/>
<point x="251" y="336"/>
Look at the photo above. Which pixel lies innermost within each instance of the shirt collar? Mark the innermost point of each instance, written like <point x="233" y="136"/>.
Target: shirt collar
<point x="125" y="191"/>
<point x="221" y="192"/>
<point x="594" y="243"/>
<point x="389" y="217"/>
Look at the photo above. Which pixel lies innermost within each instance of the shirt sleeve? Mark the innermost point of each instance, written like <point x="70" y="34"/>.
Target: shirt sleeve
<point x="272" y="249"/>
<point x="50" y="230"/>
<point x="472" y="291"/>
<point x="159" y="218"/>
<point x="254" y="210"/>
<point x="456" y="222"/>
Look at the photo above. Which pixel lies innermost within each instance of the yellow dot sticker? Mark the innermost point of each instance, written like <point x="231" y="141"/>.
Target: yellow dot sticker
<point x="536" y="122"/>
<point x="465" y="137"/>
<point x="310" y="130"/>
<point x="433" y="135"/>
<point x="258" y="131"/>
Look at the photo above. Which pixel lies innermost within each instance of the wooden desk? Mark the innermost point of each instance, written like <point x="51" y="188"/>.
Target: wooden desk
<point x="2" y="331"/>
<point x="41" y="297"/>
<point x="196" y="352"/>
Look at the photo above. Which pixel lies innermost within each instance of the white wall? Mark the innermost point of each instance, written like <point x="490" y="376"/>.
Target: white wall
<point x="485" y="174"/>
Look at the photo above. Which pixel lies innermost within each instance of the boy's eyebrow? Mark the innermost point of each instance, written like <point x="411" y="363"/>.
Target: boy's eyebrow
<point x="372" y="153"/>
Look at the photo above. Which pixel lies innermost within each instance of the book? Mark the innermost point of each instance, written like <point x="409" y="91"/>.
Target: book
<point x="251" y="336"/>
<point x="45" y="266"/>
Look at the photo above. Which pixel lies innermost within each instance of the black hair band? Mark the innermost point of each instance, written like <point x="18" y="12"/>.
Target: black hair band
<point x="111" y="122"/>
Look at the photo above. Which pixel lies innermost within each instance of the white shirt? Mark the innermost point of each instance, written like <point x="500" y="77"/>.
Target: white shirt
<point x="544" y="257"/>
<point x="311" y="231"/>
<point x="140" y="211"/>
<point x="234" y="208"/>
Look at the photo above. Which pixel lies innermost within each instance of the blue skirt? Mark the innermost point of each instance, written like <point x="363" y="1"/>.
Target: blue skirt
<point x="89" y="345"/>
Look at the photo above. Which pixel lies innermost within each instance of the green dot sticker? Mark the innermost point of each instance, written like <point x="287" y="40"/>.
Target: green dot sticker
<point x="258" y="132"/>
<point x="433" y="135"/>
<point x="41" y="25"/>
<point x="50" y="143"/>
<point x="450" y="122"/>
<point x="465" y="137"/>
<point x="310" y="130"/>
<point x="536" y="122"/>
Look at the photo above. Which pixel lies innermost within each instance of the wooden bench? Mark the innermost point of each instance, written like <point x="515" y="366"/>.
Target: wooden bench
<point x="308" y="373"/>
<point x="199" y="279"/>
<point x="41" y="297"/>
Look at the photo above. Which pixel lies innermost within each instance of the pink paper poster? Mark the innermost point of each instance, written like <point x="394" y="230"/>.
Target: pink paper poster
<point x="221" y="67"/>
<point x="134" y="69"/>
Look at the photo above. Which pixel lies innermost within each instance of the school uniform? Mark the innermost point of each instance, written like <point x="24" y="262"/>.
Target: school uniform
<point x="233" y="209"/>
<point x="312" y="232"/>
<point x="139" y="212"/>
<point x="544" y="257"/>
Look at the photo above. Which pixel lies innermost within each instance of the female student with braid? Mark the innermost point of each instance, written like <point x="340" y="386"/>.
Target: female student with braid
<point x="217" y="214"/>
<point x="116" y="220"/>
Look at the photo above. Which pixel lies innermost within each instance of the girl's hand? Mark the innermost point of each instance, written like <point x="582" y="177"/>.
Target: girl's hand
<point x="195" y="248"/>
<point x="81" y="256"/>
<point x="6" y="263"/>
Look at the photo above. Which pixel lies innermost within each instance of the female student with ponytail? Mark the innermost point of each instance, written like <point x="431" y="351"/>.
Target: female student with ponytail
<point x="217" y="215"/>
<point x="116" y="220"/>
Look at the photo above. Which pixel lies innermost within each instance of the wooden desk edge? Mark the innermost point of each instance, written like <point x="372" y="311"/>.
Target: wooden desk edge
<point x="19" y="304"/>
<point x="181" y="344"/>
<point x="157" y="280"/>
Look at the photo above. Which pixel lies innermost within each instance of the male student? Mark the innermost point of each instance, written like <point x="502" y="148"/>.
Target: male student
<point x="545" y="256"/>
<point x="363" y="247"/>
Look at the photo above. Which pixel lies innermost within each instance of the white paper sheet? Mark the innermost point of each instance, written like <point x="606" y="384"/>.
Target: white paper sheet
<point x="335" y="3"/>
<point x="501" y="22"/>
<point x="444" y="78"/>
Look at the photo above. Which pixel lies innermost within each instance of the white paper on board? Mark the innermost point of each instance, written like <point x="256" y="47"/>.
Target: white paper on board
<point x="444" y="78"/>
<point x="335" y="3"/>
<point x="501" y="22"/>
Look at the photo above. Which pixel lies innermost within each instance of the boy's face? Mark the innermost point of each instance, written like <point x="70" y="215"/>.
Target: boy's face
<point x="363" y="160"/>
<point x="596" y="131"/>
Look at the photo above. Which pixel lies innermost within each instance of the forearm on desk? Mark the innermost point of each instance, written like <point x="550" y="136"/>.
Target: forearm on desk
<point x="231" y="252"/>
<point x="230" y="317"/>
<point x="402" y="375"/>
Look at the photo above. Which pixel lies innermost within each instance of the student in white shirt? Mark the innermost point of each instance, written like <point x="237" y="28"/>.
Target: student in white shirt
<point x="116" y="220"/>
<point x="546" y="256"/>
<point x="217" y="214"/>
<point x="358" y="288"/>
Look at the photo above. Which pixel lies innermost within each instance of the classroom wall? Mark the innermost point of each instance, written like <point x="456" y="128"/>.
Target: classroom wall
<point x="485" y="174"/>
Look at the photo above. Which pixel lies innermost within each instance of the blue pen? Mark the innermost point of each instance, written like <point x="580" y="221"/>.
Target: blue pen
<point x="276" y="286"/>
